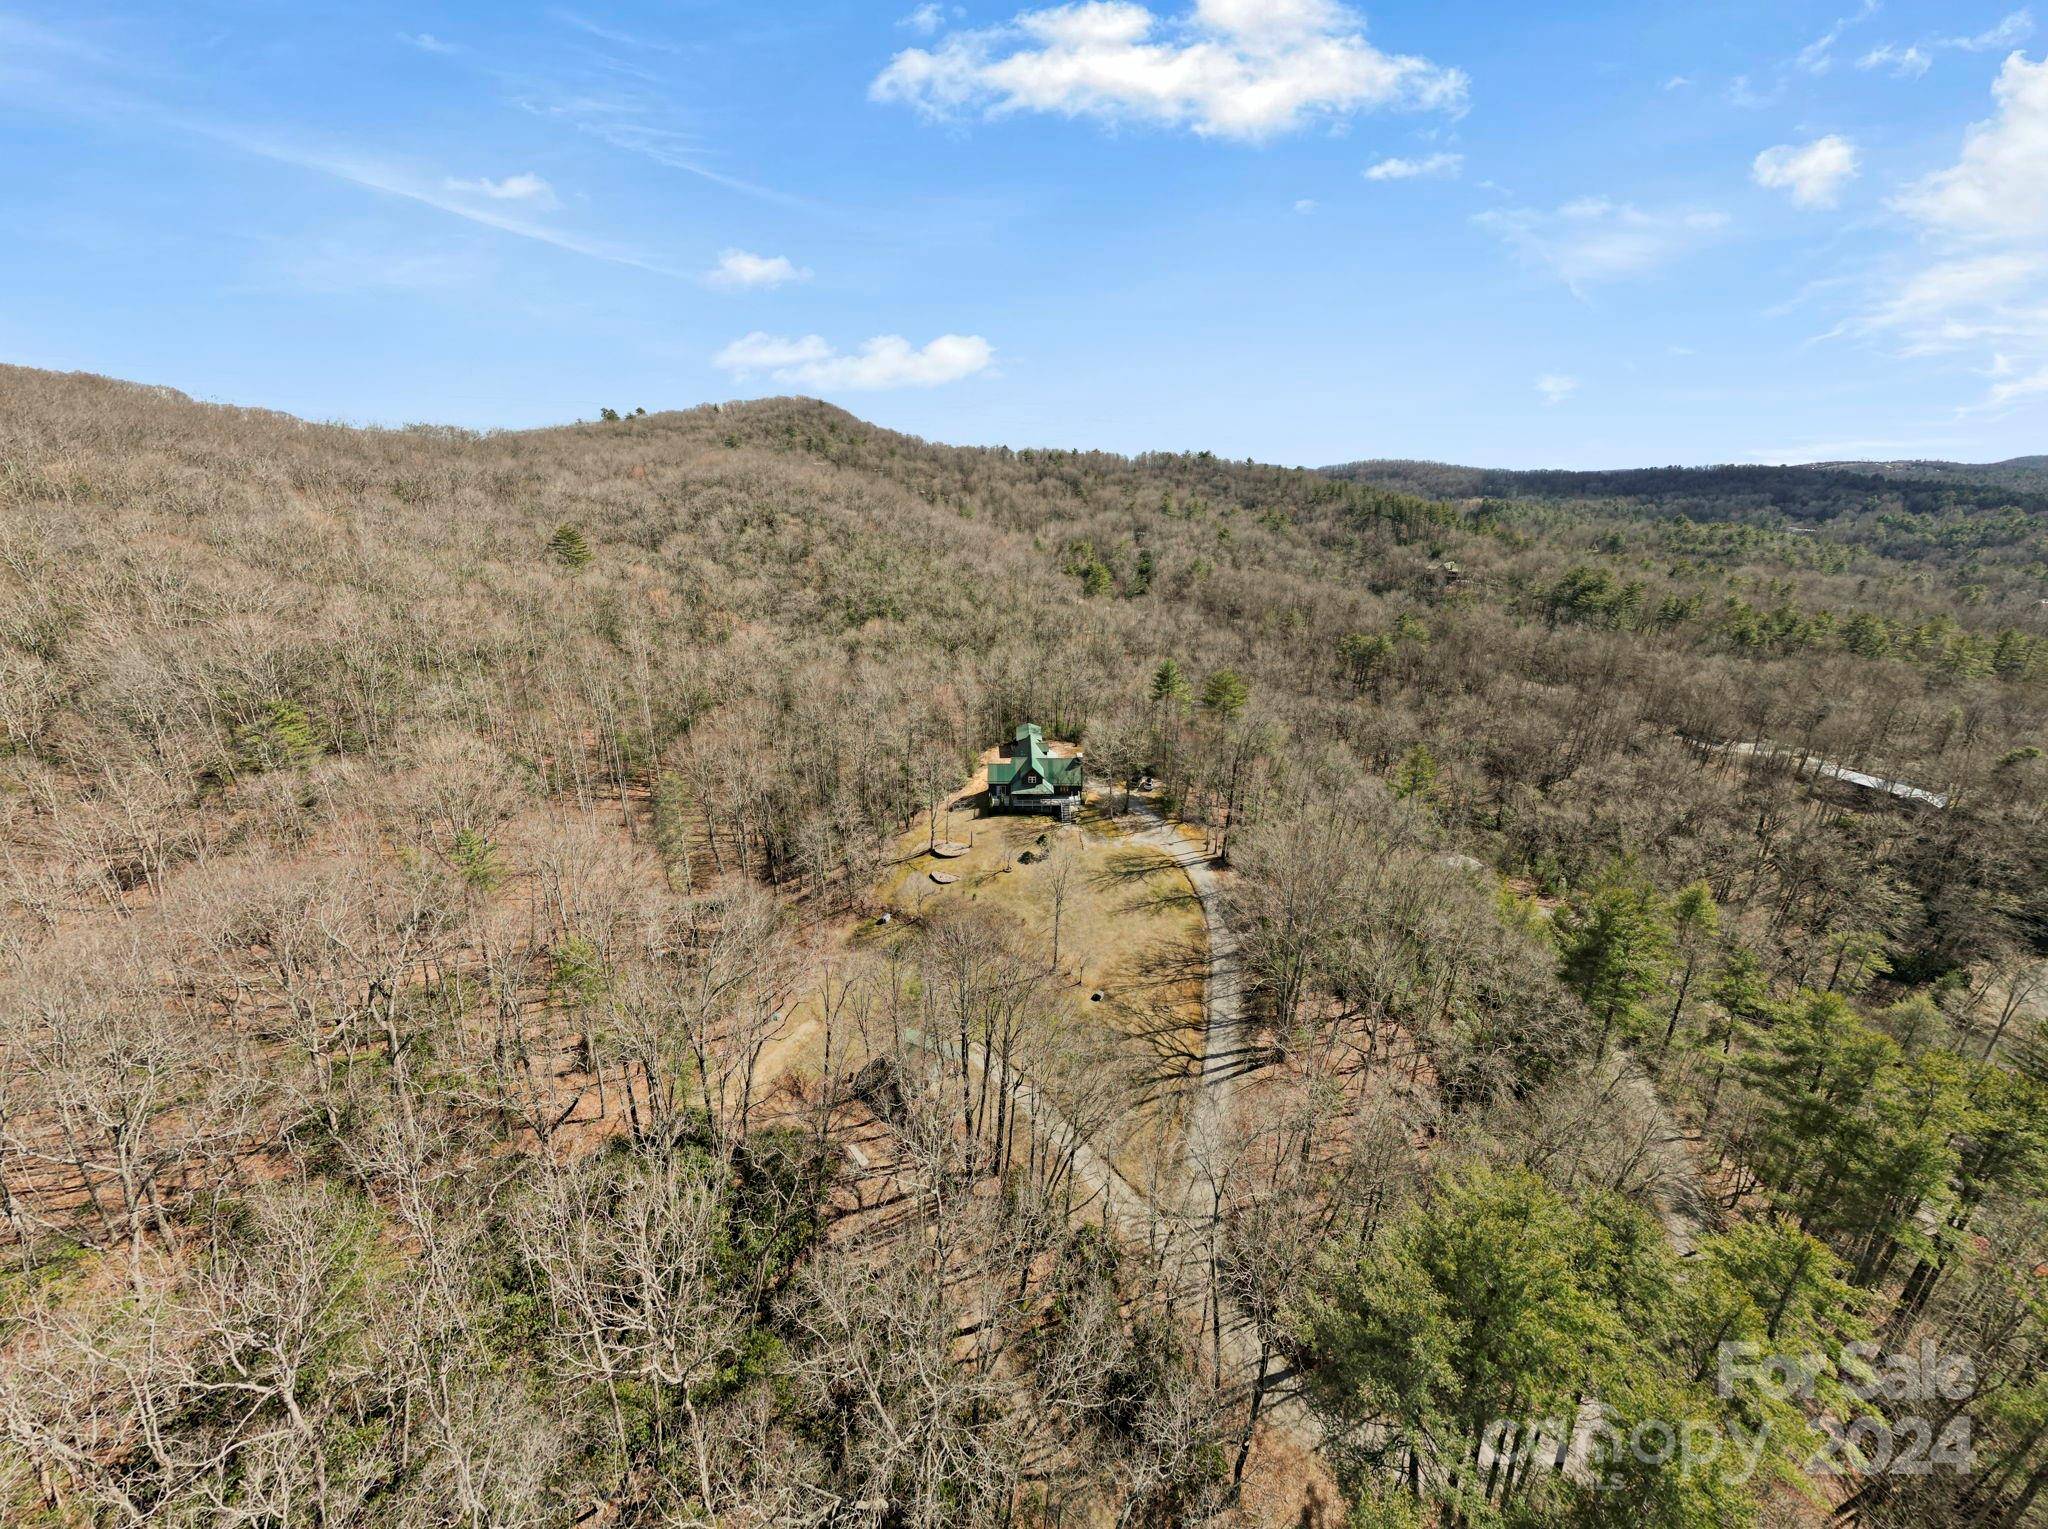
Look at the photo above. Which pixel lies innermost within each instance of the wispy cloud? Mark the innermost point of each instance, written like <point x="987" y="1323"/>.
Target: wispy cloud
<point x="1555" y="388"/>
<point x="507" y="207"/>
<point x="1911" y="61"/>
<point x="596" y="93"/>
<point x="1907" y="63"/>
<point x="1247" y="69"/>
<point x="2015" y="389"/>
<point x="2009" y="33"/>
<point x="887" y="361"/>
<point x="529" y="189"/>
<point x="397" y="181"/>
<point x="1812" y="174"/>
<point x="427" y="42"/>
<point x="342" y="265"/>
<point x="1958" y="300"/>
<point x="633" y="125"/>
<point x="21" y="37"/>
<point x="1596" y="240"/>
<point x="1877" y="449"/>
<point x="1306" y="205"/>
<point x="1745" y="93"/>
<point x="1429" y="167"/>
<point x="742" y="269"/>
<point x="604" y="32"/>
<point x="1818" y="56"/>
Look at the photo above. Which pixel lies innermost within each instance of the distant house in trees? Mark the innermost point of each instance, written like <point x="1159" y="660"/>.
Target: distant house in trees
<point x="1034" y="776"/>
<point x="1825" y="772"/>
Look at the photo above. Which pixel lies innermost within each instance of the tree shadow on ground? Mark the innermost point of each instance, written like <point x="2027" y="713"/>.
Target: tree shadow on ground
<point x="1148" y="1004"/>
<point x="1153" y="879"/>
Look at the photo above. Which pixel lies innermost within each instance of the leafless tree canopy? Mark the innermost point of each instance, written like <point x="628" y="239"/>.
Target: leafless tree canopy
<point x="452" y="1071"/>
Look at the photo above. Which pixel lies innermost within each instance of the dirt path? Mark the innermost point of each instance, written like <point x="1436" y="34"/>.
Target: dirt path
<point x="1227" y="1052"/>
<point x="1684" y="1203"/>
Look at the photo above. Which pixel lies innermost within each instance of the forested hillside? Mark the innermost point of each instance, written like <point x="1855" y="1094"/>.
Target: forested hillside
<point x="457" y="1065"/>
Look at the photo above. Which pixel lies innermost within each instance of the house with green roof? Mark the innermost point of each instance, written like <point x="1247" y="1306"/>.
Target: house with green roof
<point x="1030" y="777"/>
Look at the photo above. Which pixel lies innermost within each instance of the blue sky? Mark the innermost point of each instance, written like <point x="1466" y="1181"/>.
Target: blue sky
<point x="1488" y="232"/>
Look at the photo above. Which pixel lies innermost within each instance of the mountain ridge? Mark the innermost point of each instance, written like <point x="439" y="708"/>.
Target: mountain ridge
<point x="1920" y="487"/>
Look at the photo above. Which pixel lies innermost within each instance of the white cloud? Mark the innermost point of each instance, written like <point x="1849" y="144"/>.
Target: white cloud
<point x="1596" y="240"/>
<point x="1306" y="205"/>
<point x="1430" y="167"/>
<point x="529" y="190"/>
<point x="1979" y="296"/>
<point x="1813" y="174"/>
<point x="887" y="361"/>
<point x="1677" y="82"/>
<point x="759" y="352"/>
<point x="1904" y="63"/>
<point x="426" y="42"/>
<point x="925" y="20"/>
<point x="1556" y="388"/>
<point x="742" y="269"/>
<point x="1999" y="188"/>
<point x="1246" y="69"/>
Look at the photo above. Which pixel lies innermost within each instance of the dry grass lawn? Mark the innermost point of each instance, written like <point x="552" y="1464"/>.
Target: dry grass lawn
<point x="1132" y="948"/>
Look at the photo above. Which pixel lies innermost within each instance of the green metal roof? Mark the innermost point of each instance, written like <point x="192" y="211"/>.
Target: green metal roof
<point x="1028" y="760"/>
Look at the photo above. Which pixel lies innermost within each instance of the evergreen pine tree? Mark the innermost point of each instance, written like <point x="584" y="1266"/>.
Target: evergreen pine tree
<point x="1169" y="685"/>
<point x="569" y="548"/>
<point x="1225" y="694"/>
<point x="1415" y="779"/>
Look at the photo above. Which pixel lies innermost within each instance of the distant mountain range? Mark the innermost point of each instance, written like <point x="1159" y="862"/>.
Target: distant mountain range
<point x="2016" y="472"/>
<point x="1816" y="491"/>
